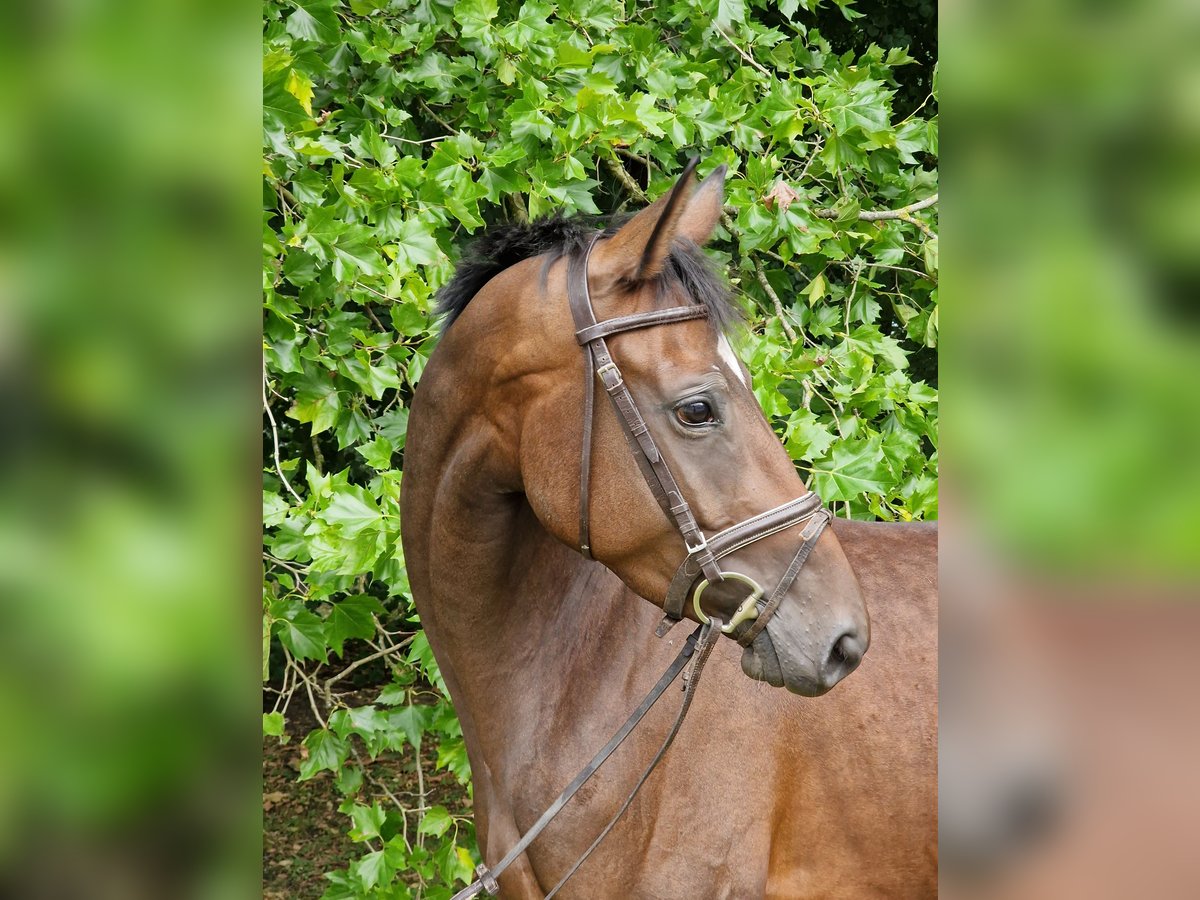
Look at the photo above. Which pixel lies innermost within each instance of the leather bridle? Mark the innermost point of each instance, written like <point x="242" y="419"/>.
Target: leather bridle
<point x="701" y="564"/>
<point x="703" y="554"/>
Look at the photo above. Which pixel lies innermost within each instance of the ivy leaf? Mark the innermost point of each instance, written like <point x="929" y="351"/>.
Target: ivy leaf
<point x="852" y="469"/>
<point x="436" y="821"/>
<point x="303" y="634"/>
<point x="353" y="509"/>
<point x="351" y="618"/>
<point x="272" y="724"/>
<point x="326" y="751"/>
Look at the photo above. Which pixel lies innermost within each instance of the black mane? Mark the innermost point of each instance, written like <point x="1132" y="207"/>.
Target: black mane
<point x="557" y="236"/>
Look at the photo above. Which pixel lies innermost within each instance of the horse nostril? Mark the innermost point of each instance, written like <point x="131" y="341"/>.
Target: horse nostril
<point x="844" y="656"/>
<point x="837" y="653"/>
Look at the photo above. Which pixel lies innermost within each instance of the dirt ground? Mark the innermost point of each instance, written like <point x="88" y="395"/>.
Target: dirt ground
<point x="304" y="835"/>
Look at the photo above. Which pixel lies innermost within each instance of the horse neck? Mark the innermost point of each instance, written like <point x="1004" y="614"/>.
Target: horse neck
<point x="513" y="615"/>
<point x="528" y="633"/>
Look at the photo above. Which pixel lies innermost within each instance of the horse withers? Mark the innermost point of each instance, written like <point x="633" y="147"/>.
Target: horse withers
<point x="545" y="651"/>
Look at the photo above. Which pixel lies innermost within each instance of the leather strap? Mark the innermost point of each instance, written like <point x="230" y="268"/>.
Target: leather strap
<point x="708" y="640"/>
<point x="809" y="536"/>
<point x="489" y="875"/>
<point x="639" y="320"/>
<point x="656" y="471"/>
<point x="585" y="468"/>
<point x="725" y="542"/>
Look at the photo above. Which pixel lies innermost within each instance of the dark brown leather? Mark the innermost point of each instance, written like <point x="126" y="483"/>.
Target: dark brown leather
<point x="639" y="320"/>
<point x="585" y="469"/>
<point x="702" y="554"/>
<point x="662" y="482"/>
<point x="725" y="542"/>
<point x="809" y="536"/>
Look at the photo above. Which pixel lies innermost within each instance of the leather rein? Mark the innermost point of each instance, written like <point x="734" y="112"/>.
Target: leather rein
<point x="701" y="564"/>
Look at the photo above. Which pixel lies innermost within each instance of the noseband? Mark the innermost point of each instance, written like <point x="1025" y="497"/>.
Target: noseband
<point x="701" y="564"/>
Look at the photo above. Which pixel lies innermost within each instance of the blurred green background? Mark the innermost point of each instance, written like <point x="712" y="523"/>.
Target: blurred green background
<point x="1072" y="359"/>
<point x="130" y="202"/>
<point x="128" y="357"/>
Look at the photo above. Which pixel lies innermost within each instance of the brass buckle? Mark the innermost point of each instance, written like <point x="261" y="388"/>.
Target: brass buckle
<point x="604" y="368"/>
<point x="745" y="612"/>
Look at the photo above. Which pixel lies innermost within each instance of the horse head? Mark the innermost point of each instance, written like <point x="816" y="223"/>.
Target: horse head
<point x="700" y="415"/>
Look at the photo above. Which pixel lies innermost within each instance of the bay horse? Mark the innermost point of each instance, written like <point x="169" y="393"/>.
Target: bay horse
<point x="545" y="649"/>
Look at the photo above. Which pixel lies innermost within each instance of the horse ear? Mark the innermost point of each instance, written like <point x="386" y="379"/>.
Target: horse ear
<point x="645" y="240"/>
<point x="705" y="207"/>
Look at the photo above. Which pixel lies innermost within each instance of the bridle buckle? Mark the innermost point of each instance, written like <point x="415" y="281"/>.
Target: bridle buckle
<point x="698" y="548"/>
<point x="609" y="366"/>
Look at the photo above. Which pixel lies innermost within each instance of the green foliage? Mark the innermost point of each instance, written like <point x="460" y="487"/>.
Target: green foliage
<point x="392" y="132"/>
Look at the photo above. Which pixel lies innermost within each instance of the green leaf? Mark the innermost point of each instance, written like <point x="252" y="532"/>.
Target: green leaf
<point x="326" y="751"/>
<point x="452" y="755"/>
<point x="300" y="87"/>
<point x="415" y="245"/>
<point x="322" y="411"/>
<point x="354" y="510"/>
<point x="272" y="724"/>
<point x="817" y="288"/>
<point x="728" y="12"/>
<point x="349" y="780"/>
<point x="377" y="453"/>
<point x="411" y="720"/>
<point x="436" y="821"/>
<point x="303" y="634"/>
<point x="393" y="695"/>
<point x="374" y="869"/>
<point x="274" y="509"/>
<point x="351" y="618"/>
<point x="394" y="426"/>
<point x="807" y="436"/>
<point x="475" y="17"/>
<point x="368" y="821"/>
<point x="852" y="469"/>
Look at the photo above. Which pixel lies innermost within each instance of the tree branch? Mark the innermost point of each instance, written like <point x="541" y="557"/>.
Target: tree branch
<point x="626" y="179"/>
<point x="766" y="286"/>
<point x="874" y="215"/>
<point x="743" y="54"/>
<point x="275" y="438"/>
<point x="516" y="206"/>
<point x="363" y="661"/>
<point x="436" y="117"/>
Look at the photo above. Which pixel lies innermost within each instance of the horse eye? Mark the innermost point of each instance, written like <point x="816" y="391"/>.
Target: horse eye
<point x="695" y="412"/>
